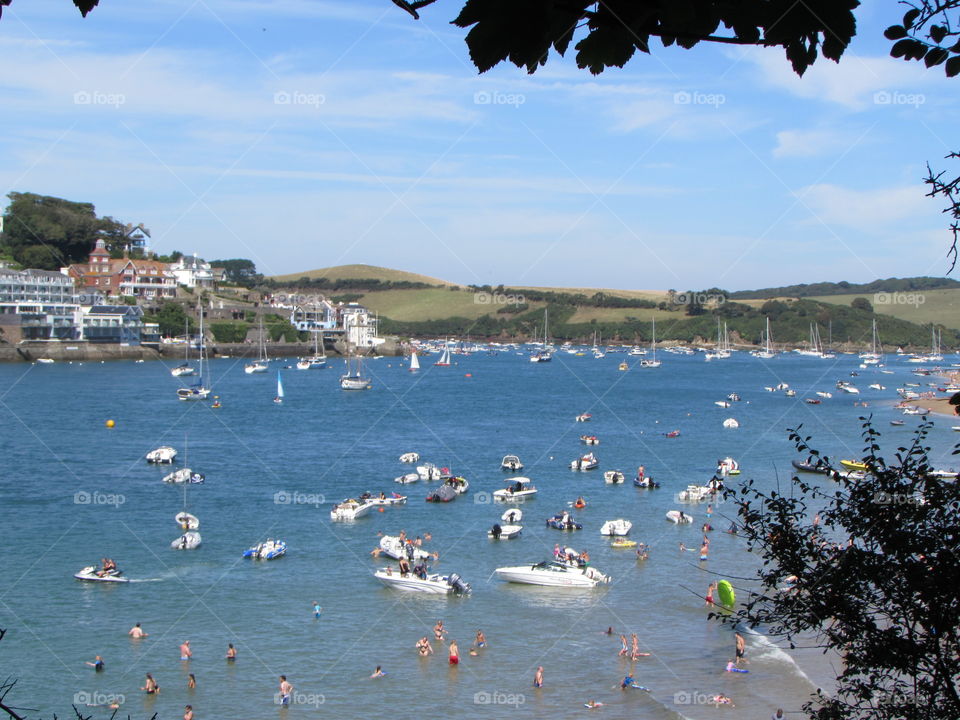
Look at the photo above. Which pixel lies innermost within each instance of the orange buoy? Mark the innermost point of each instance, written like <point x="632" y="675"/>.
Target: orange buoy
<point x="379" y="509"/>
<point x="469" y="375"/>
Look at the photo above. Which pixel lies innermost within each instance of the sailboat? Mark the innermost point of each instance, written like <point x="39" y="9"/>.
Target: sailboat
<point x="353" y="379"/>
<point x="543" y="355"/>
<point x="199" y="391"/>
<point x="318" y="359"/>
<point x="935" y="355"/>
<point x="189" y="524"/>
<point x="444" y="360"/>
<point x="652" y="362"/>
<point x="414" y="362"/>
<point x="260" y="364"/>
<point x="186" y="368"/>
<point x="873" y="357"/>
<point x="767" y="351"/>
<point x="279" y="398"/>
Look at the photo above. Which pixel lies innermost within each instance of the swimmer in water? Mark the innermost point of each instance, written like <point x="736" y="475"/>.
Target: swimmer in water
<point x="378" y="673"/>
<point x="231" y="652"/>
<point x="538" y="677"/>
<point x="185" y="652"/>
<point x="97" y="663"/>
<point x="136" y="632"/>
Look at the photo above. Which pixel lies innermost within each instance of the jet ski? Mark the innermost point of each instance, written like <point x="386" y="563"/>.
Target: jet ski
<point x="92" y="574"/>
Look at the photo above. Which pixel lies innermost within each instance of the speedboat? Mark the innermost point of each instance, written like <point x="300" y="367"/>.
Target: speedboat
<point x="434" y="584"/>
<point x="350" y="509"/>
<point x="585" y="462"/>
<point x="92" y="574"/>
<point x="589" y="439"/>
<point x="255" y="367"/>
<point x="184" y="475"/>
<point x="410" y="457"/>
<point x="163" y="455"/>
<point x="733" y="397"/>
<point x="722" y="403"/>
<point x="190" y="540"/>
<point x="728" y="466"/>
<point x="694" y="493"/>
<point x="443" y="494"/>
<point x="553" y="573"/>
<point x="407" y="479"/>
<point x="183" y="371"/>
<point x="616" y="527"/>
<point x="429" y="471"/>
<point x="731" y="423"/>
<point x="504" y="532"/>
<point x="393" y="546"/>
<point x="519" y="490"/>
<point x="186" y="521"/>
<point x="672" y="434"/>
<point x="459" y="484"/>
<point x="511" y="463"/>
<point x="811" y="466"/>
<point x="679" y="517"/>
<point x="563" y="521"/>
<point x="267" y="550"/>
<point x="613" y="477"/>
<point x="384" y="499"/>
<point x="645" y="482"/>
<point x="583" y="417"/>
<point x="313" y="362"/>
<point x="855" y="465"/>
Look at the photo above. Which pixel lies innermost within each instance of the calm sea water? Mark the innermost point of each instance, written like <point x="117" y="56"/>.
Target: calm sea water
<point x="323" y="441"/>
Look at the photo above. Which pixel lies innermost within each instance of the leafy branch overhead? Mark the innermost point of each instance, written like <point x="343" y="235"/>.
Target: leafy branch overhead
<point x="610" y="33"/>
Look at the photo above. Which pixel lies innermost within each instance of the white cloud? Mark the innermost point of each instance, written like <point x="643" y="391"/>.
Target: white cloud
<point x="810" y="143"/>
<point x="875" y="208"/>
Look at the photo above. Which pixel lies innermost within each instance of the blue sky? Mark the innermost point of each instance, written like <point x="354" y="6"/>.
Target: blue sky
<point x="303" y="134"/>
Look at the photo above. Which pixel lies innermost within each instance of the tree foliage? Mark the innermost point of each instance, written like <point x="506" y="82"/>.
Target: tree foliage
<point x="172" y="318"/>
<point x="876" y="568"/>
<point x="240" y="271"/>
<point x="941" y="187"/>
<point x="47" y="233"/>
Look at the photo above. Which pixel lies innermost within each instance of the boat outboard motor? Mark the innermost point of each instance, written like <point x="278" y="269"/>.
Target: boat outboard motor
<point x="496" y="531"/>
<point x="458" y="584"/>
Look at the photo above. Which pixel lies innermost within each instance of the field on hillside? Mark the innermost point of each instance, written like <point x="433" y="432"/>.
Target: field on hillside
<point x="654" y="295"/>
<point x="618" y="315"/>
<point x="429" y="304"/>
<point x="363" y="272"/>
<point x="930" y="306"/>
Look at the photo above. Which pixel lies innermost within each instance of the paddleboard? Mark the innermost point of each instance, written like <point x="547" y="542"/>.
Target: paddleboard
<point x="726" y="594"/>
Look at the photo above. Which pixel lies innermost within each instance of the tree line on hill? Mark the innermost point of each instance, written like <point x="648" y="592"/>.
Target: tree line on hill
<point x="890" y="285"/>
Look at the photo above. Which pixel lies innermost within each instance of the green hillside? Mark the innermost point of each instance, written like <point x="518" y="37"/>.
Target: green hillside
<point x="359" y="272"/>
<point x="928" y="306"/>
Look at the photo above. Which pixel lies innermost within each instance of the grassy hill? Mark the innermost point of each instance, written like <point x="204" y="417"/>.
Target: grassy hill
<point x="361" y="272"/>
<point x="928" y="306"/>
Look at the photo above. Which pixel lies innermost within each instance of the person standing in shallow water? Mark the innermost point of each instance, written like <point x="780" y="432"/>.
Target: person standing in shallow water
<point x="454" y="653"/>
<point x="538" y="677"/>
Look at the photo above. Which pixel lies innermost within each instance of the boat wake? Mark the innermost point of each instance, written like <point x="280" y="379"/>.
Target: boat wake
<point x="765" y="649"/>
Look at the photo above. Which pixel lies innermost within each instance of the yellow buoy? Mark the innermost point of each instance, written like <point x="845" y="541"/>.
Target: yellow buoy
<point x="110" y="423"/>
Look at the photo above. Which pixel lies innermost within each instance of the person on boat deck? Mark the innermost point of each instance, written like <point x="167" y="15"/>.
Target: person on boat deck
<point x="640" y="472"/>
<point x="383" y="496"/>
<point x="404" y="566"/>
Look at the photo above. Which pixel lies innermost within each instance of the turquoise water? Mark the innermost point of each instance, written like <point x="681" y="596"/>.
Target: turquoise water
<point x="323" y="441"/>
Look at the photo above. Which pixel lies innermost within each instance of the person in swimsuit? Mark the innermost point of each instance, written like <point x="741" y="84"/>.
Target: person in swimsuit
<point x="623" y="646"/>
<point x="710" y="590"/>
<point x="538" y="677"/>
<point x="704" y="549"/>
<point x="741" y="647"/>
<point x="231" y="652"/>
<point x="635" y="651"/>
<point x="97" y="663"/>
<point x="317" y="609"/>
<point x="136" y="632"/>
<point x="188" y="712"/>
<point x="481" y="639"/>
<point x="626" y="682"/>
<point x="150" y="686"/>
<point x="286" y="689"/>
<point x="454" y="653"/>
<point x="438" y="631"/>
<point x="191" y="682"/>
<point x="378" y="673"/>
<point x="722" y="699"/>
<point x="185" y="652"/>
<point x="424" y="647"/>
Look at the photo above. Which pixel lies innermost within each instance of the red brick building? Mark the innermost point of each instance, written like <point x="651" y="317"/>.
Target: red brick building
<point x="101" y="274"/>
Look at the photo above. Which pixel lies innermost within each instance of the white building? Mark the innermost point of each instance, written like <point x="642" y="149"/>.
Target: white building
<point x="40" y="304"/>
<point x="359" y="326"/>
<point x="192" y="272"/>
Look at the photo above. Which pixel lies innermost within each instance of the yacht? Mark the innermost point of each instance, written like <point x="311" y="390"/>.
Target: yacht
<point x="553" y="573"/>
<point x="260" y="364"/>
<point x="317" y="360"/>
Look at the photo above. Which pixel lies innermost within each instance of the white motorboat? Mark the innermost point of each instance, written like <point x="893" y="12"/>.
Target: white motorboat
<point x="183" y="371"/>
<point x="190" y="540"/>
<point x="163" y="455"/>
<point x="877" y="386"/>
<point x="504" y="532"/>
<point x="350" y="510"/>
<point x="92" y="574"/>
<point x="728" y="466"/>
<point x="255" y="367"/>
<point x="512" y="516"/>
<point x="429" y="471"/>
<point x="459" y="484"/>
<point x="432" y="583"/>
<point x="392" y="546"/>
<point x="184" y="475"/>
<point x="822" y="394"/>
<point x="694" y="493"/>
<point x="585" y="462"/>
<point x="519" y="490"/>
<point x="944" y="474"/>
<point x="511" y="463"/>
<point x="186" y="521"/>
<point x="267" y="550"/>
<point x="410" y="457"/>
<point x="584" y="417"/>
<point x="613" y="477"/>
<point x="731" y="423"/>
<point x="407" y="479"/>
<point x="679" y="517"/>
<point x="616" y="527"/>
<point x="384" y="500"/>
<point x="589" y="439"/>
<point x="552" y="573"/>
<point x="45" y="361"/>
<point x="722" y="403"/>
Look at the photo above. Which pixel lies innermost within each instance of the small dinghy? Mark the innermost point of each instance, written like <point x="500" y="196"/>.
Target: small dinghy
<point x="186" y="521"/>
<point x="163" y="455"/>
<point x="443" y="494"/>
<point x="563" y="521"/>
<point x="679" y="517"/>
<point x="511" y="463"/>
<point x="731" y="423"/>
<point x="504" y="532"/>
<point x="512" y="516"/>
<point x="622" y="542"/>
<point x="811" y="465"/>
<point x="896" y="423"/>
<point x="410" y="457"/>
<point x="184" y="475"/>
<point x="92" y="574"/>
<point x="267" y="550"/>
<point x="585" y="462"/>
<point x="728" y="466"/>
<point x="645" y="482"/>
<point x="589" y="439"/>
<point x="616" y="527"/>
<point x="407" y="479"/>
<point x="613" y="477"/>
<point x="188" y="541"/>
<point x="584" y="417"/>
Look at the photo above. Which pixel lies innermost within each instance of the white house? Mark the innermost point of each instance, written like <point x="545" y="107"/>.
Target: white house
<point x="192" y="272"/>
